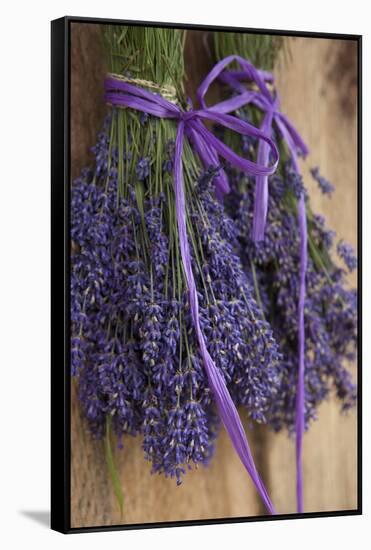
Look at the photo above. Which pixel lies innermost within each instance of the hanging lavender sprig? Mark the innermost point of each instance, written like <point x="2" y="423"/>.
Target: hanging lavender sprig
<point x="326" y="187"/>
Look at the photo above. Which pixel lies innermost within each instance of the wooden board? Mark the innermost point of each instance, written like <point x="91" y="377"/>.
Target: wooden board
<point x="318" y="87"/>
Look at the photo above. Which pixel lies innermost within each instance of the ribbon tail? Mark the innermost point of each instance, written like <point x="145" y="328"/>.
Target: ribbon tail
<point x="300" y="388"/>
<point x="300" y="394"/>
<point x="295" y="137"/>
<point x="210" y="158"/>
<point x="261" y="189"/>
<point x="226" y="407"/>
<point x="294" y="142"/>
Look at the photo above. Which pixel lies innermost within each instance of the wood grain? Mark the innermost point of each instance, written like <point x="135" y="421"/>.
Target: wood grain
<point x="318" y="89"/>
<point x="88" y="70"/>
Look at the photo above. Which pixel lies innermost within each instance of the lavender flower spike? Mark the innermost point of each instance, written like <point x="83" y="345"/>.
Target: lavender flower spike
<point x="347" y="254"/>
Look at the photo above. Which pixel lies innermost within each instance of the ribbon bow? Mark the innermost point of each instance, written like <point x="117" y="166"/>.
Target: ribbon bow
<point x="270" y="105"/>
<point x="208" y="147"/>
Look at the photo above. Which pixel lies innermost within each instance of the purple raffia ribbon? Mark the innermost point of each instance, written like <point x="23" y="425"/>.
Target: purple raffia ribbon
<point x="190" y="123"/>
<point x="269" y="104"/>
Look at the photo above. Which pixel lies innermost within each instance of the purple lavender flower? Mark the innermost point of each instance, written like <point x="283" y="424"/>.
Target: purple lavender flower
<point x="167" y="166"/>
<point x="294" y="180"/>
<point x="143" y="118"/>
<point x="346" y="253"/>
<point x="142" y="169"/>
<point x="326" y="187"/>
<point x="79" y="349"/>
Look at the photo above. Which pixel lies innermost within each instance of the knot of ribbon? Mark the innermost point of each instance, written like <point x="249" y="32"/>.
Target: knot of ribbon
<point x="209" y="148"/>
<point x="270" y="105"/>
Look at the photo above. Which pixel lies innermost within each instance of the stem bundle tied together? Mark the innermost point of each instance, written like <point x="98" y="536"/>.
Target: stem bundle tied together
<point x="121" y="94"/>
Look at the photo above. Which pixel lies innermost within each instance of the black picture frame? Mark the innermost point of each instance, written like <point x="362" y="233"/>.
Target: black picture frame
<point x="60" y="276"/>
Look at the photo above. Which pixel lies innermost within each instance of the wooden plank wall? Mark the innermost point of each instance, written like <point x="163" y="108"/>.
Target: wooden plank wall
<point x="318" y="86"/>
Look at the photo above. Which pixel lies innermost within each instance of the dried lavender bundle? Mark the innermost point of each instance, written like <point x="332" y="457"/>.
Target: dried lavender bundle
<point x="330" y="306"/>
<point x="272" y="265"/>
<point x="134" y="349"/>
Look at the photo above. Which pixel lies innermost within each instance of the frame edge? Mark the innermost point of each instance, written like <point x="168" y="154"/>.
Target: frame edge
<point x="60" y="414"/>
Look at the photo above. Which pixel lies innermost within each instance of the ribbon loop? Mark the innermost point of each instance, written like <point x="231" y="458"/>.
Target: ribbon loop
<point x="248" y="69"/>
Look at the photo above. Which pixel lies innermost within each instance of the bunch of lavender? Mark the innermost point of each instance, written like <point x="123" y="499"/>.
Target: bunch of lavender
<point x="330" y="307"/>
<point x="272" y="267"/>
<point x="134" y="348"/>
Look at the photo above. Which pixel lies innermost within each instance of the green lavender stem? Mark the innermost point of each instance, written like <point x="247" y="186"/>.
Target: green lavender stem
<point x="112" y="467"/>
